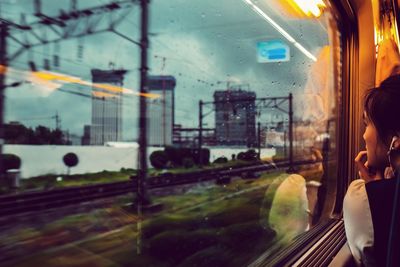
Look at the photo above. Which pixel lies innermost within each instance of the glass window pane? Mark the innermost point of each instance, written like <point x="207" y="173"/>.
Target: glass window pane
<point x="243" y="100"/>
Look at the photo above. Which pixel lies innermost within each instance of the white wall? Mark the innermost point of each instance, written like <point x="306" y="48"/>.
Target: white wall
<point x="216" y="152"/>
<point x="46" y="159"/>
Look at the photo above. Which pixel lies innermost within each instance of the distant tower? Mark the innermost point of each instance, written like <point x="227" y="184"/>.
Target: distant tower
<point x="86" y="135"/>
<point x="106" y="106"/>
<point x="235" y="117"/>
<point x="160" y="110"/>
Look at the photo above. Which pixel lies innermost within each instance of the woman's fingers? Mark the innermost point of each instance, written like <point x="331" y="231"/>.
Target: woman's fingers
<point x="361" y="155"/>
<point x="361" y="161"/>
<point x="362" y="166"/>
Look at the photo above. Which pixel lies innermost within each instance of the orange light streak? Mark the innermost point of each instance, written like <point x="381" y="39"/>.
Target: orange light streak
<point x="53" y="81"/>
<point x="57" y="77"/>
<point x="103" y="94"/>
<point x="3" y="69"/>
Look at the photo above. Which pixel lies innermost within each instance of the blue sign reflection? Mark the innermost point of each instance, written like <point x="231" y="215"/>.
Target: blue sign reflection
<point x="272" y="51"/>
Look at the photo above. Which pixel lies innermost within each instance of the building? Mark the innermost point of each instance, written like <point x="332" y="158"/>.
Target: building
<point x="160" y="111"/>
<point x="106" y="106"/>
<point x="86" y="135"/>
<point x="235" y="118"/>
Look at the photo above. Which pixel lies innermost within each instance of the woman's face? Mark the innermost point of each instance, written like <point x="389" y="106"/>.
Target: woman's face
<point x="376" y="150"/>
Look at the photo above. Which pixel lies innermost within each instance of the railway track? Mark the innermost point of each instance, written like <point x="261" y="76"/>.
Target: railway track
<point x="55" y="198"/>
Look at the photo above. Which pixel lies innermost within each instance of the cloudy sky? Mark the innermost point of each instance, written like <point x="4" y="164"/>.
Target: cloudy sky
<point x="205" y="43"/>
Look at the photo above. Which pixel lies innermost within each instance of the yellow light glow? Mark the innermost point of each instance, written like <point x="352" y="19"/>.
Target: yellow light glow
<point x="311" y="7"/>
<point x="3" y="69"/>
<point x="108" y="87"/>
<point x="103" y="94"/>
<point x="62" y="78"/>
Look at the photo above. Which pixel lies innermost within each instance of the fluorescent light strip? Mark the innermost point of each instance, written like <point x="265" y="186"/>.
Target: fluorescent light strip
<point x="281" y="30"/>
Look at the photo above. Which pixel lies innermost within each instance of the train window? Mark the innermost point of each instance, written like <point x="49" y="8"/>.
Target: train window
<point x="240" y="125"/>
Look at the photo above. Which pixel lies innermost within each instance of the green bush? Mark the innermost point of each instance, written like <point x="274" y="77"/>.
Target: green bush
<point x="205" y="156"/>
<point x="221" y="160"/>
<point x="188" y="163"/>
<point x="249" y="155"/>
<point x="177" y="154"/>
<point x="10" y="162"/>
<point x="159" y="159"/>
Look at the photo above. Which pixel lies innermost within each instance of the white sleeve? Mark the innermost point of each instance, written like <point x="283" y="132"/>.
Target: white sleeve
<point x="358" y="223"/>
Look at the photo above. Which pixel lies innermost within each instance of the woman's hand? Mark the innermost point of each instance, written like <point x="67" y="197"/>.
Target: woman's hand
<point x="366" y="173"/>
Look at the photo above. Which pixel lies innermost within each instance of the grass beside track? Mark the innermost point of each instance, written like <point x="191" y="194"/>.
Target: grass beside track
<point x="208" y="225"/>
<point x="50" y="181"/>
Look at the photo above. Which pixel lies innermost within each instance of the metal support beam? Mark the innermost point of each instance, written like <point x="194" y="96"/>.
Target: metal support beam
<point x="290" y="133"/>
<point x="67" y="25"/>
<point x="3" y="71"/>
<point x="259" y="139"/>
<point x="266" y="102"/>
<point x="142" y="197"/>
<point x="200" y="132"/>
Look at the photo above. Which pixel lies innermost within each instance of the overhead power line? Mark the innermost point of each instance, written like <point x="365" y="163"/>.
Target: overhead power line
<point x="52" y="29"/>
<point x="72" y="24"/>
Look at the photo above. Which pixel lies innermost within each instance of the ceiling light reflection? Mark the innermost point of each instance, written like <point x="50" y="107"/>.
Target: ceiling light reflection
<point x="281" y="30"/>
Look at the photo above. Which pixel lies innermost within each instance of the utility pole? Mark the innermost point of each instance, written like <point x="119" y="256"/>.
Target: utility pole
<point x="142" y="198"/>
<point x="284" y="144"/>
<point x="200" y="132"/>
<point x="259" y="139"/>
<point x="290" y="133"/>
<point x="3" y="70"/>
<point x="102" y="120"/>
<point x="58" y="121"/>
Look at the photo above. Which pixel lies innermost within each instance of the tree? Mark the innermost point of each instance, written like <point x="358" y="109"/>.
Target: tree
<point x="16" y="133"/>
<point x="159" y="159"/>
<point x="249" y="155"/>
<point x="70" y="160"/>
<point x="187" y="163"/>
<point x="221" y="160"/>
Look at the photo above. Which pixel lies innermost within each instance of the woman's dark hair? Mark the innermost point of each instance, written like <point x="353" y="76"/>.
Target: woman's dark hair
<point x="382" y="105"/>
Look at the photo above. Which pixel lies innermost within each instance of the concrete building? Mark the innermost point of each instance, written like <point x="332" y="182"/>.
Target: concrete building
<point x="160" y="111"/>
<point x="106" y="123"/>
<point x="235" y="118"/>
<point x="86" y="135"/>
